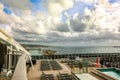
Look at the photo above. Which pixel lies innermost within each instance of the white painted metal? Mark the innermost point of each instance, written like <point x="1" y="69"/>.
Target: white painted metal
<point x="20" y="72"/>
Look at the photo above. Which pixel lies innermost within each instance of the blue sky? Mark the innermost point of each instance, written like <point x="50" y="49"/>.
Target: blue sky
<point x="78" y="7"/>
<point x="38" y="6"/>
<point x="55" y="22"/>
<point x="7" y="11"/>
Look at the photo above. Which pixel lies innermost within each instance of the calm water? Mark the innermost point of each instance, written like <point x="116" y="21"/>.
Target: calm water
<point x="113" y="74"/>
<point x="79" y="50"/>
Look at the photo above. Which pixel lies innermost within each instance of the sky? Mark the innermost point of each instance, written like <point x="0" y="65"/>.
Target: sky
<point x="62" y="22"/>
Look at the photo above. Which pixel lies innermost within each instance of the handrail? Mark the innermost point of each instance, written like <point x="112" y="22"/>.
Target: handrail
<point x="74" y="76"/>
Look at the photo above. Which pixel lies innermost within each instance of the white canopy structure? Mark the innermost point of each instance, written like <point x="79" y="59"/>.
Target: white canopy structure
<point x="5" y="38"/>
<point x="20" y="72"/>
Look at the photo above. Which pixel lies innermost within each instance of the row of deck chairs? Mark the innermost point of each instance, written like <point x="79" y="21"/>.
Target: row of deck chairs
<point x="64" y="76"/>
<point x="55" y="65"/>
<point x="47" y="77"/>
<point x="76" y="63"/>
<point x="60" y="76"/>
<point x="47" y="65"/>
<point x="110" y="61"/>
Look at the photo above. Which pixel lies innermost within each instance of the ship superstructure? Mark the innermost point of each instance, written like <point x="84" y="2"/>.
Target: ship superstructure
<point x="13" y="58"/>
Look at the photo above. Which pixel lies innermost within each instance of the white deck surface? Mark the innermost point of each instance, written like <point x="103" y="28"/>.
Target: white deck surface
<point x="85" y="76"/>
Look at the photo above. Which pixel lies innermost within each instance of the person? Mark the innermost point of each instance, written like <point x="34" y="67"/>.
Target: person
<point x="80" y="66"/>
<point x="101" y="62"/>
<point x="0" y="68"/>
<point x="1" y="62"/>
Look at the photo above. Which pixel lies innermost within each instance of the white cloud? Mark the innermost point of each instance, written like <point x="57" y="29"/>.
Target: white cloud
<point x="87" y="12"/>
<point x="104" y="3"/>
<point x="98" y="25"/>
<point x="17" y="4"/>
<point x="55" y="7"/>
<point x="38" y="23"/>
<point x="87" y="1"/>
<point x="3" y="17"/>
<point x="1" y="6"/>
<point x="63" y="27"/>
<point x="6" y="28"/>
<point x="77" y="25"/>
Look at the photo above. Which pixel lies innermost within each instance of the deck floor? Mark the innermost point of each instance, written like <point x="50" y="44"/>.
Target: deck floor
<point x="36" y="73"/>
<point x="86" y="76"/>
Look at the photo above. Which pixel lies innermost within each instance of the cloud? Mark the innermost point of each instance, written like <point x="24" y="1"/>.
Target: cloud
<point x="98" y="25"/>
<point x="56" y="7"/>
<point x="63" y="27"/>
<point x="77" y="25"/>
<point x="17" y="4"/>
<point x="87" y="12"/>
<point x="1" y="6"/>
<point x="6" y="28"/>
<point x="87" y="1"/>
<point x="30" y="23"/>
<point x="3" y="17"/>
<point x="104" y="3"/>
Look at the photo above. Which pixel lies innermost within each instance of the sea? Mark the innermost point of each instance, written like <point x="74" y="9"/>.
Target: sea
<point x="80" y="50"/>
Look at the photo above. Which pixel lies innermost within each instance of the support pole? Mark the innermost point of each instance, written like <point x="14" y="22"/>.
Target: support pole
<point x="31" y="61"/>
